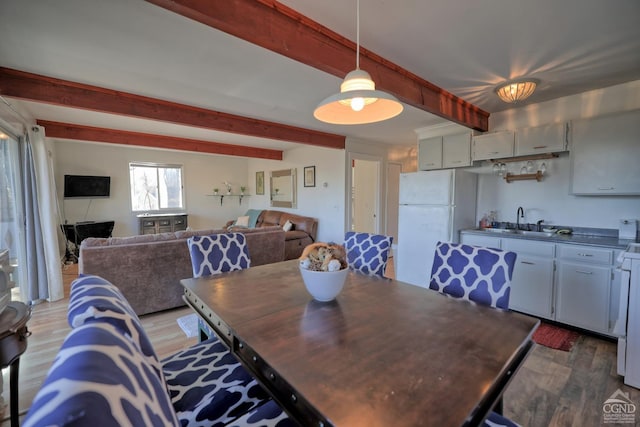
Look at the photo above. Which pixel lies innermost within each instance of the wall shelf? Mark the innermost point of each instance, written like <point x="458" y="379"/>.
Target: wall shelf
<point x="510" y="177"/>
<point x="222" y="196"/>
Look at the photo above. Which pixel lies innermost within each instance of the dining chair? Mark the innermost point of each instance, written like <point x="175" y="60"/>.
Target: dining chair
<point x="218" y="253"/>
<point x="367" y="253"/>
<point x="475" y="273"/>
<point x="215" y="254"/>
<point x="478" y="274"/>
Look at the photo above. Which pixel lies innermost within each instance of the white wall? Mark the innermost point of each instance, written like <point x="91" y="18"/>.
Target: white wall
<point x="550" y="199"/>
<point x="325" y="201"/>
<point x="202" y="172"/>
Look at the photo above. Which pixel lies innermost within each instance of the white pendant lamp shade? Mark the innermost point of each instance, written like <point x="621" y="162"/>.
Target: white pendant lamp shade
<point x="358" y="102"/>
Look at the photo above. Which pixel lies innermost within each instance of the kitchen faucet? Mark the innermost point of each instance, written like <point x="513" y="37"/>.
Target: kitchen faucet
<point x="519" y="214"/>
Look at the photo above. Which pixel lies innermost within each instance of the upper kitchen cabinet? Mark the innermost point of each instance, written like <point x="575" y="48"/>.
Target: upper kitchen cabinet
<point x="496" y="145"/>
<point x="551" y="138"/>
<point x="605" y="155"/>
<point x="443" y="152"/>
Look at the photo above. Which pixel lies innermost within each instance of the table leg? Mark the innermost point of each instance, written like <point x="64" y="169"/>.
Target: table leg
<point x="14" y="369"/>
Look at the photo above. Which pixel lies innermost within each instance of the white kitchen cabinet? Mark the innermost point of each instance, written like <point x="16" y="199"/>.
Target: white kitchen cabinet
<point x="456" y="150"/>
<point x="605" y="152"/>
<point x="532" y="282"/>
<point x="551" y="138"/>
<point x="448" y="151"/>
<point x="430" y="153"/>
<point x="584" y="280"/>
<point x="495" y="145"/>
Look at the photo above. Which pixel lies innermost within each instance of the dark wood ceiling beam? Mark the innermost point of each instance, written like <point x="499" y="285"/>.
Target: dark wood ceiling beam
<point x="89" y="133"/>
<point x="276" y="27"/>
<point x="34" y="87"/>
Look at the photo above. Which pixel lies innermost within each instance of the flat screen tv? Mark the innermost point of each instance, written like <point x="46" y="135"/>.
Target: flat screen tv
<point x="86" y="186"/>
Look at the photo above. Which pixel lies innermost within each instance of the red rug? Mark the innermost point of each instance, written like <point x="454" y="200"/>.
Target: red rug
<point x="555" y="337"/>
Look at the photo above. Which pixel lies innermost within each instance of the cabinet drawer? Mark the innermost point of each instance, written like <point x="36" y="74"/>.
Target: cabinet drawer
<point x="477" y="240"/>
<point x="148" y="223"/>
<point x="586" y="254"/>
<point x="179" y="221"/>
<point x="164" y="223"/>
<point x="542" y="249"/>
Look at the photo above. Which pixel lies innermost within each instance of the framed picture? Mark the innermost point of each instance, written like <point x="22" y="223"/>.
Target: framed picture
<point x="310" y="176"/>
<point x="260" y="182"/>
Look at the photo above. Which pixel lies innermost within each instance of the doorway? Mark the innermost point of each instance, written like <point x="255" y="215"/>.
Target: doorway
<point x="364" y="206"/>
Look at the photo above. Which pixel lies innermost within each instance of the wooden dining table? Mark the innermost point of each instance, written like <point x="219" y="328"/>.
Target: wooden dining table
<point x="383" y="353"/>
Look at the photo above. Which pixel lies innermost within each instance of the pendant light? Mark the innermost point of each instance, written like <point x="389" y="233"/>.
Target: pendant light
<point x="358" y="101"/>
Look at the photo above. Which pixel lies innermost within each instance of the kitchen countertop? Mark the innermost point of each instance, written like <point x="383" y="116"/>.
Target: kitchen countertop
<point x="576" y="239"/>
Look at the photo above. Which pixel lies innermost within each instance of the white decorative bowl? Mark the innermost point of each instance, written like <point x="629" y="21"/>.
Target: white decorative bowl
<point x="324" y="285"/>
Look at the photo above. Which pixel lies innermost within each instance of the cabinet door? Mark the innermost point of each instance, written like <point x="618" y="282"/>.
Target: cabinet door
<point x="496" y="145"/>
<point x="532" y="286"/>
<point x="430" y="153"/>
<point x="456" y="150"/>
<point x="604" y="155"/>
<point x="583" y="295"/>
<point x="542" y="139"/>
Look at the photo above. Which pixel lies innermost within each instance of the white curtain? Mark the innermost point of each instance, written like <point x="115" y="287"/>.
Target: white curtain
<point x="44" y="276"/>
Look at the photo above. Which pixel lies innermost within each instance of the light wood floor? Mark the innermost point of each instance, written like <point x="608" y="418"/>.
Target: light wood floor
<point x="553" y="388"/>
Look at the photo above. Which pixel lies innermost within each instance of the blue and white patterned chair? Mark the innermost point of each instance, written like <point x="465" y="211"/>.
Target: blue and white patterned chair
<point x="100" y="378"/>
<point x="478" y="274"/>
<point x="215" y="254"/>
<point x="474" y="273"/>
<point x="206" y="384"/>
<point x="218" y="253"/>
<point x="367" y="253"/>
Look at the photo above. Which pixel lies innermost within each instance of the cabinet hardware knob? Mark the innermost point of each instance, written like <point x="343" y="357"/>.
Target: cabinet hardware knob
<point x="584" y="272"/>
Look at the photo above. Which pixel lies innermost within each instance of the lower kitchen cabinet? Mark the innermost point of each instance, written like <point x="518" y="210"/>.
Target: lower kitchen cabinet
<point x="584" y="280"/>
<point x="570" y="284"/>
<point x="532" y="282"/>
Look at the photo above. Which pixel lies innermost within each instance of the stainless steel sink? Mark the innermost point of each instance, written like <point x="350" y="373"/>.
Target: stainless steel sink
<point x="521" y="232"/>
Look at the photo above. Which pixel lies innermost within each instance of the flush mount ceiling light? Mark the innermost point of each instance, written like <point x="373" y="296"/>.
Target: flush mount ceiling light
<point x="516" y="90"/>
<point x="358" y="101"/>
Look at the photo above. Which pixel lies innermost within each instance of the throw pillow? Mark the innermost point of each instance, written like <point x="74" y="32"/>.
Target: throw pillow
<point x="242" y="221"/>
<point x="287" y="226"/>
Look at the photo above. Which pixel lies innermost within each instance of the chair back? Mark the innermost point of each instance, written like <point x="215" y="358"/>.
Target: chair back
<point x="218" y="253"/>
<point x="367" y="253"/>
<point x="474" y="273"/>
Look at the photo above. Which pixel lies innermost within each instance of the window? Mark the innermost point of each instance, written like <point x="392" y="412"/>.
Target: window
<point x="155" y="187"/>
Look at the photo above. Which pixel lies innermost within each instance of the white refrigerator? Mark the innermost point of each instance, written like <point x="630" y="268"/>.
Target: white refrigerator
<point x="434" y="206"/>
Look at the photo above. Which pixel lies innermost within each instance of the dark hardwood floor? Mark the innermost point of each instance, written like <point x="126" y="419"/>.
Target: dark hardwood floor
<point x="553" y="388"/>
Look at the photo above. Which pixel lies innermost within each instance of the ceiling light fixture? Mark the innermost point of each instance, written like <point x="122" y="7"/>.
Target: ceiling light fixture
<point x="516" y="90"/>
<point x="358" y="101"/>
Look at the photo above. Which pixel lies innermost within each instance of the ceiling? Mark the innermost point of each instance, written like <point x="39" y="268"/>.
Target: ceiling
<point x="463" y="47"/>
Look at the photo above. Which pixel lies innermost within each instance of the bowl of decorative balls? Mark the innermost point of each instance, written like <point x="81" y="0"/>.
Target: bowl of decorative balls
<point x="324" y="269"/>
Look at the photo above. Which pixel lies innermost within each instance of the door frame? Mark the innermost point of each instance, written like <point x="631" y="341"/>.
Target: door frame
<point x="351" y="157"/>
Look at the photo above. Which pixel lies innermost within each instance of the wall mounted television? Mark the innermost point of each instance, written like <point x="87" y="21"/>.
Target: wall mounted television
<point x="86" y="186"/>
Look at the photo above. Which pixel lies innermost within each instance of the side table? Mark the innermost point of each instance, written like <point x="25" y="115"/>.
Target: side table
<point x="13" y="343"/>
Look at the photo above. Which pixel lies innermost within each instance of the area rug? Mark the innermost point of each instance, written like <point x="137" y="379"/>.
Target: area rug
<point x="189" y="325"/>
<point x="555" y="337"/>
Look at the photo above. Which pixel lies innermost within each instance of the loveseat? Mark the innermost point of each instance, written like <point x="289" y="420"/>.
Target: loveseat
<point x="302" y="232"/>
<point x="148" y="268"/>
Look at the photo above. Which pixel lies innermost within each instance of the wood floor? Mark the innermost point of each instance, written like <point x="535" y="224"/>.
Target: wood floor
<point x="553" y="388"/>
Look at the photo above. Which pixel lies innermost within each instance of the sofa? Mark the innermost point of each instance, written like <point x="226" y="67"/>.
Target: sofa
<point x="108" y="374"/>
<point x="302" y="232"/>
<point x="148" y="268"/>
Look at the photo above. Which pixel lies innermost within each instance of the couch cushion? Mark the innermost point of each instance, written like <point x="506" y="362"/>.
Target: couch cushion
<point x="295" y="234"/>
<point x="100" y="378"/>
<point x="301" y="223"/>
<point x="129" y="240"/>
<point x="270" y="217"/>
<point x="208" y="386"/>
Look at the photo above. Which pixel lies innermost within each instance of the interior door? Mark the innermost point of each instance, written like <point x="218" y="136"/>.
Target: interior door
<point x="365" y="189"/>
